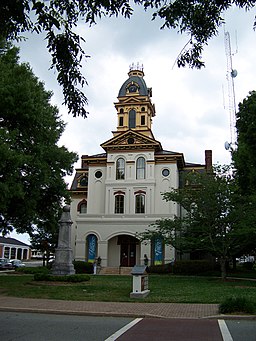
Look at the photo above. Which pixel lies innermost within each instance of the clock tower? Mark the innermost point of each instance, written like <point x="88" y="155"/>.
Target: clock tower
<point x="134" y="107"/>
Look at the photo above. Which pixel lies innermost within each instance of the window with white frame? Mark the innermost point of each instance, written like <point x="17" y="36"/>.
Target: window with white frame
<point x="140" y="168"/>
<point x="120" y="169"/>
<point x="140" y="203"/>
<point x="119" y="203"/>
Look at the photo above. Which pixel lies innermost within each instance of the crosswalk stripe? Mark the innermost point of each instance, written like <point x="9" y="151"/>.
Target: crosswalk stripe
<point x="224" y="331"/>
<point x="123" y="330"/>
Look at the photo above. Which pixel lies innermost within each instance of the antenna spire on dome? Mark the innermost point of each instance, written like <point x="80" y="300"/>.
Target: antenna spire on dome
<point x="137" y="66"/>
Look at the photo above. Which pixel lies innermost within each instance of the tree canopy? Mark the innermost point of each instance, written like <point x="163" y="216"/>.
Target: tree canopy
<point x="199" y="20"/>
<point x="244" y="155"/>
<point x="33" y="165"/>
<point x="214" y="219"/>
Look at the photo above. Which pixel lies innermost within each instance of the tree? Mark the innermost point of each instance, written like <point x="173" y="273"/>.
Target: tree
<point x="244" y="156"/>
<point x="32" y="166"/>
<point x="214" y="218"/>
<point x="45" y="237"/>
<point x="199" y="19"/>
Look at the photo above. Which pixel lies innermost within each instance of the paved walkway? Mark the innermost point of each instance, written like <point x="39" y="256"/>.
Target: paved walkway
<point x="137" y="309"/>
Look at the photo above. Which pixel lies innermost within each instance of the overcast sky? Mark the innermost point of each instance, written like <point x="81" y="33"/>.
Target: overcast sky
<point x="191" y="105"/>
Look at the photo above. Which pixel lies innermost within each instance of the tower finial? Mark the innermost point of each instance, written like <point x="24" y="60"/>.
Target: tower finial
<point x="133" y="67"/>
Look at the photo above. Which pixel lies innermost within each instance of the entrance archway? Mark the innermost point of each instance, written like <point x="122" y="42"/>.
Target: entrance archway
<point x="127" y="250"/>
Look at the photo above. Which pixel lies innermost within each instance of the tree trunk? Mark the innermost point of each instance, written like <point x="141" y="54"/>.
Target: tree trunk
<point x="223" y="268"/>
<point x="234" y="262"/>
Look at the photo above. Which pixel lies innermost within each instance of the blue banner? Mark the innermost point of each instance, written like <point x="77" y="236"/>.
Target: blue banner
<point x="92" y="247"/>
<point x="158" y="251"/>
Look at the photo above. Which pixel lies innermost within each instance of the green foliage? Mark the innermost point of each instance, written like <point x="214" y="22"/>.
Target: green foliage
<point x="163" y="288"/>
<point x="213" y="220"/>
<point x="67" y="278"/>
<point x="244" y="156"/>
<point x="32" y="164"/>
<point x="237" y="305"/>
<point x="161" y="269"/>
<point x="199" y="20"/>
<point x="192" y="267"/>
<point x="247" y="265"/>
<point x="83" y="267"/>
<point x="33" y="270"/>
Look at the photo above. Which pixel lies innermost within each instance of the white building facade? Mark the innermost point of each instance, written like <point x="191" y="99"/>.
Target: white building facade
<point x="118" y="193"/>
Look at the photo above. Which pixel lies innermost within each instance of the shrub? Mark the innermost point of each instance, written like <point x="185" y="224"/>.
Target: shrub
<point x="40" y="276"/>
<point x="82" y="267"/>
<point x="248" y="265"/>
<point x="192" y="267"/>
<point x="58" y="278"/>
<point x="237" y="305"/>
<point x="161" y="269"/>
<point x="33" y="270"/>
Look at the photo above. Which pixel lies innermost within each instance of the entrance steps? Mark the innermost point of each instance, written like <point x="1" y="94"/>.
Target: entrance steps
<point x="117" y="270"/>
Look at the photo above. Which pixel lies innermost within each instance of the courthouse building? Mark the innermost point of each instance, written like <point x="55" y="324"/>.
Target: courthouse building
<point x="118" y="193"/>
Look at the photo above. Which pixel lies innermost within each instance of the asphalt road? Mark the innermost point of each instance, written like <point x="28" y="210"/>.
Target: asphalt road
<point x="51" y="327"/>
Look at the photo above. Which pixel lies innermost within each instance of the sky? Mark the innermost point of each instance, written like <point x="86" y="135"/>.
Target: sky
<point x="192" y="112"/>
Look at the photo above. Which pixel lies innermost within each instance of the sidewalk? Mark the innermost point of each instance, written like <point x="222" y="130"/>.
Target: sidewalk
<point x="137" y="309"/>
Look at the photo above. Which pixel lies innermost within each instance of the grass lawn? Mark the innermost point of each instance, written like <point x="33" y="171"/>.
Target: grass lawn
<point x="163" y="288"/>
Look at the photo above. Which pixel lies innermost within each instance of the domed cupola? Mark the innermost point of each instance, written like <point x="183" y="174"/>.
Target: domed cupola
<point x="134" y="107"/>
<point x="135" y="84"/>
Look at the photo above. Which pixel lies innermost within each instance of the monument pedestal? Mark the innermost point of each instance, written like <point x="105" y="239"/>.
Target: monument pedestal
<point x="63" y="264"/>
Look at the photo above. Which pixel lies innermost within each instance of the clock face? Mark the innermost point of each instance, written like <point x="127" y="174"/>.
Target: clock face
<point x="132" y="88"/>
<point x="130" y="140"/>
<point x="165" y="172"/>
<point x="98" y="174"/>
<point x="84" y="181"/>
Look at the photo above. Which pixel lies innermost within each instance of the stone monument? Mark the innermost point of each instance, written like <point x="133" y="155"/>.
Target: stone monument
<point x="63" y="264"/>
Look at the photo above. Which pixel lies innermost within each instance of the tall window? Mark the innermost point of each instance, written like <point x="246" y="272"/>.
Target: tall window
<point x="121" y="121"/>
<point x="132" y="119"/>
<point x="120" y="169"/>
<point x="142" y="120"/>
<point x="83" y="208"/>
<point x="140" y="203"/>
<point x="119" y="204"/>
<point x="140" y="168"/>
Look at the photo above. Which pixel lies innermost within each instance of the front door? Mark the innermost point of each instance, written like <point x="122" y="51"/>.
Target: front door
<point x="128" y="255"/>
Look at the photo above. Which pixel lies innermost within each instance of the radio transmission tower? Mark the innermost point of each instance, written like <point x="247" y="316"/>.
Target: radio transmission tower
<point x="231" y="74"/>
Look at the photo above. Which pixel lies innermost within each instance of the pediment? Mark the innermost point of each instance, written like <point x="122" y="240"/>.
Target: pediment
<point x="130" y="100"/>
<point x="131" y="140"/>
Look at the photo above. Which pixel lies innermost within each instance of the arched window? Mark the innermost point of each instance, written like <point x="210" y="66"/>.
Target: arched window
<point x="140" y="203"/>
<point x="132" y="119"/>
<point x="120" y="169"/>
<point x="140" y="168"/>
<point x="119" y="204"/>
<point x="83" y="208"/>
<point x="91" y="248"/>
<point x="83" y="181"/>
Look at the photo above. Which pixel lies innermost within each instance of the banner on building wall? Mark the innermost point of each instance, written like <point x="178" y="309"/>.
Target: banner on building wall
<point x="92" y="248"/>
<point x="158" y="251"/>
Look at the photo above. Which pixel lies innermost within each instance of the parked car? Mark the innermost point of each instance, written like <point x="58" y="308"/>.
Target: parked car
<point x="5" y="264"/>
<point x="16" y="263"/>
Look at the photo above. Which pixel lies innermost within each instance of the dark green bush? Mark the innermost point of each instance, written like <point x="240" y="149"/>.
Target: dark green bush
<point x="192" y="267"/>
<point x="40" y="276"/>
<point x="247" y="265"/>
<point x="33" y="270"/>
<point x="161" y="269"/>
<point x="237" y="305"/>
<point x="66" y="278"/>
<point x="82" y="267"/>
